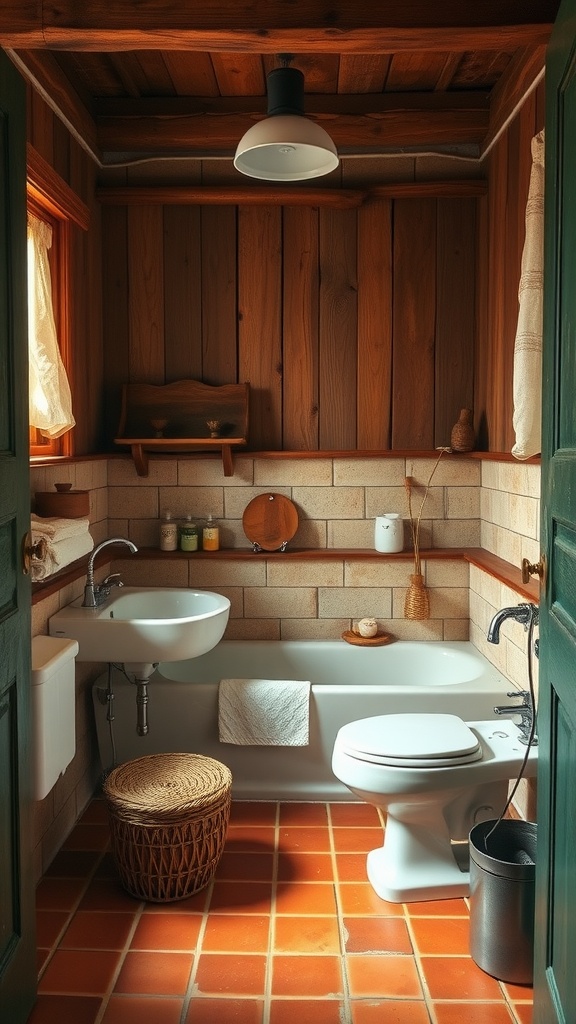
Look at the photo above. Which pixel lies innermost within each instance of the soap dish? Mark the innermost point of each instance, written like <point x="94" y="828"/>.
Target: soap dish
<point x="352" y="637"/>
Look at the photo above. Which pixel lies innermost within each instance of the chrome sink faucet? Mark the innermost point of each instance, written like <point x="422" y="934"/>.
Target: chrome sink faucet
<point x="525" y="710"/>
<point x="525" y="613"/>
<point x="95" y="595"/>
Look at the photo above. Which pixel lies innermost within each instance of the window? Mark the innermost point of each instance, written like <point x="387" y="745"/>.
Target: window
<point x="53" y="210"/>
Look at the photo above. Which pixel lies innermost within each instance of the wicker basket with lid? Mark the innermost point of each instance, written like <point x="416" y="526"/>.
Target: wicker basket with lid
<point x="168" y="818"/>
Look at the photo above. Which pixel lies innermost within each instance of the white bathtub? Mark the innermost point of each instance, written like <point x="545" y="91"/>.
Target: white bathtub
<point x="347" y="683"/>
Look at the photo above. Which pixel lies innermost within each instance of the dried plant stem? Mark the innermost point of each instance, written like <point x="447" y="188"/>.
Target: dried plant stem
<point x="415" y="523"/>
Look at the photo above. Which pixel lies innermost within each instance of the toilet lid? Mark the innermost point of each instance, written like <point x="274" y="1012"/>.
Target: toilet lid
<point x="411" y="741"/>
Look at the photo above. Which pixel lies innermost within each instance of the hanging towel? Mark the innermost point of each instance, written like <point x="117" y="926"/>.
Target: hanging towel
<point x="51" y="556"/>
<point x="59" y="529"/>
<point x="527" y="386"/>
<point x="264" y="712"/>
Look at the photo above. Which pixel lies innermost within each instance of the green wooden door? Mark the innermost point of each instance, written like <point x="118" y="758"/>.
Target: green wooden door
<point x="555" y="987"/>
<point x="17" y="940"/>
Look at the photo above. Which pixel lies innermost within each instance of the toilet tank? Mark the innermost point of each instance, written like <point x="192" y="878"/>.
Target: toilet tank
<point x="53" y="709"/>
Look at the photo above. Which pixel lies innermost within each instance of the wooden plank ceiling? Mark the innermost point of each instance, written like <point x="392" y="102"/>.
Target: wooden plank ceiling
<point x="169" y="78"/>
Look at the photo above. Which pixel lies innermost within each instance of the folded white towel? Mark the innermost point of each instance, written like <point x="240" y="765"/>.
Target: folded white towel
<point x="51" y="556"/>
<point x="264" y="712"/>
<point x="59" y="529"/>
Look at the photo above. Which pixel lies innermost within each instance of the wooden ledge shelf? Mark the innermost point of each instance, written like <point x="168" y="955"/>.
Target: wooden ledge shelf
<point x="141" y="446"/>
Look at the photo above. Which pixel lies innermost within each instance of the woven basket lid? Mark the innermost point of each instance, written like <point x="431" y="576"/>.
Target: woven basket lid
<point x="165" y="784"/>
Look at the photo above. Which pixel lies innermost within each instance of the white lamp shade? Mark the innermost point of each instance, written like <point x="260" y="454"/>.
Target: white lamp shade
<point x="286" y="148"/>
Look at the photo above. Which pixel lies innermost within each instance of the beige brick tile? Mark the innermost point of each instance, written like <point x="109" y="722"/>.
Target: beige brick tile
<point x="236" y="597"/>
<point x="41" y="612"/>
<point x="524" y="516"/>
<point x="350" y="533"/>
<point x="98" y="504"/>
<point x="252" y="629"/>
<point x="380" y="500"/>
<point x="232" y="534"/>
<point x="452" y="472"/>
<point x="483" y="584"/>
<point x="280" y="602"/>
<point x="133" y="502"/>
<point x="433" y="505"/>
<point x="199" y="502"/>
<point x="209" y="574"/>
<point x="448" y="602"/>
<point x="449" y="573"/>
<point x="383" y="573"/>
<point x="236" y="499"/>
<point x="210" y="473"/>
<point x="354" y="603"/>
<point x="494" y="653"/>
<point x="490" y="474"/>
<point x="519" y="479"/>
<point x="161" y="573"/>
<point x="313" y="629"/>
<point x="311" y="533"/>
<point x="143" y="532"/>
<point x="456" y="629"/>
<point x="386" y="473"/>
<point x="456" y="533"/>
<point x="408" y="629"/>
<point x="90" y="474"/>
<point x="463" y="502"/>
<point x="330" y="502"/>
<point x="122" y="473"/>
<point x="293" y="473"/>
<point x="305" y="574"/>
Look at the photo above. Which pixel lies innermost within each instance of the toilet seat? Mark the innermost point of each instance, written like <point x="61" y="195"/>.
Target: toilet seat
<point x="411" y="741"/>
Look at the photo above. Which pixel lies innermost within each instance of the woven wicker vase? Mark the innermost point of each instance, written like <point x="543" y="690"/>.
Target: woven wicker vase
<point x="462" y="438"/>
<point x="417" y="603"/>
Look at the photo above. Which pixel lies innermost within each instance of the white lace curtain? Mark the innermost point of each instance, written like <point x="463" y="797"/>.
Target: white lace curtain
<point x="50" y="399"/>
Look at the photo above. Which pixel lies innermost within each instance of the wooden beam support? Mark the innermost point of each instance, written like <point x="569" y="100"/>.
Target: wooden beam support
<point x="523" y="73"/>
<point x="314" y="26"/>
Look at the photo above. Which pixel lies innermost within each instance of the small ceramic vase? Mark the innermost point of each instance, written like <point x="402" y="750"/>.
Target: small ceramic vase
<point x="389" y="532"/>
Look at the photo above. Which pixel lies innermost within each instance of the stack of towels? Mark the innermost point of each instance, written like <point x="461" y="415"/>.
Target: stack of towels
<point x="56" y="543"/>
<point x="264" y="712"/>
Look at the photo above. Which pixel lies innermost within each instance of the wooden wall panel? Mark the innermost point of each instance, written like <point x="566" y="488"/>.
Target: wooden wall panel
<point x="337" y="332"/>
<point x="219" y="299"/>
<point x="115" y="315"/>
<point x="455" y="314"/>
<point x="414" y="323"/>
<point x="374" y="375"/>
<point x="300" y="328"/>
<point x="182" y="273"/>
<point x="259" y="307"/>
<point x="146" y="294"/>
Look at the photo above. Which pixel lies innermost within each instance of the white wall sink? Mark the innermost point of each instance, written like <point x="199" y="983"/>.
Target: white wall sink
<point x="145" y="624"/>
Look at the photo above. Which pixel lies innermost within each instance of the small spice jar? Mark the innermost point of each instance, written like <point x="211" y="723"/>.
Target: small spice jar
<point x="188" y="535"/>
<point x="210" y="535"/>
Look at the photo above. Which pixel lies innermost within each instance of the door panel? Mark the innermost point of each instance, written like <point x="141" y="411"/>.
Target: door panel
<point x="17" y="940"/>
<point x="555" y="991"/>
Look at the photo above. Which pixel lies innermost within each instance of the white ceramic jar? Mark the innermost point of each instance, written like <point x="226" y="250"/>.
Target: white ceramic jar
<point x="389" y="532"/>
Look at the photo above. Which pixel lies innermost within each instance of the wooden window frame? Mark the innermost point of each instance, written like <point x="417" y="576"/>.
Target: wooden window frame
<point x="54" y="202"/>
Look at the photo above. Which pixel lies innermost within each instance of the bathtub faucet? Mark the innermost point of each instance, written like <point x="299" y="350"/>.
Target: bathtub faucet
<point x="525" y="613"/>
<point x="525" y="710"/>
<point x="95" y="595"/>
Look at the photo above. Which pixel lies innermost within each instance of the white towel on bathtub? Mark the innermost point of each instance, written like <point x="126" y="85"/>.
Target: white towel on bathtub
<point x="264" y="712"/>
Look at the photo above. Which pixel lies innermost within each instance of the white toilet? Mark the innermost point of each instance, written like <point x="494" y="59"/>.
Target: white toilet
<point x="435" y="777"/>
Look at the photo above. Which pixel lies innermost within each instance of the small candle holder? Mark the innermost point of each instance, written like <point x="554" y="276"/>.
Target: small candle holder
<point x="159" y="426"/>
<point x="213" y="427"/>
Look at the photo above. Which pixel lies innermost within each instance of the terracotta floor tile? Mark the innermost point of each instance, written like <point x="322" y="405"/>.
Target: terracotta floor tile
<point x="438" y="908"/>
<point x="49" y="924"/>
<point x="386" y="977"/>
<point x="360" y="898"/>
<point x="252" y="812"/>
<point x="520" y="993"/>
<point x="305" y="839"/>
<point x="234" y="933"/>
<point x="472" y="1013"/>
<point x="142" y="1010"/>
<point x="306" y="1011"/>
<point x="195" y="904"/>
<point x="155" y="973"/>
<point x="304" y="867"/>
<point x="106" y="867"/>
<point x="312" y="976"/>
<point x="235" y="975"/>
<point x="90" y="835"/>
<point x="305" y="898"/>
<point x="254" y="838"/>
<point x="306" y="935"/>
<point x="91" y="929"/>
<point x="357" y="815"/>
<point x="225" y="1011"/>
<point x="42" y="958"/>
<point x="58" y="893"/>
<point x="351" y="867"/>
<point x="390" y="1011"/>
<point x="97" y="810"/>
<point x="73" y="864"/>
<point x="255" y="867"/>
<point x="86" y="972"/>
<point x="441" y="935"/>
<point x="167" y="931"/>
<point x="247" y="897"/>
<point x="458" y="978"/>
<point x="376" y="935"/>
<point x="60" y="1009"/>
<point x="303" y="814"/>
<point x="107" y="894"/>
<point x="524" y="1012"/>
<point x="357" y="840"/>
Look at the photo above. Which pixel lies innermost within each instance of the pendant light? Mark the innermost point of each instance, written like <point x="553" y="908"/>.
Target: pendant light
<point x="286" y="146"/>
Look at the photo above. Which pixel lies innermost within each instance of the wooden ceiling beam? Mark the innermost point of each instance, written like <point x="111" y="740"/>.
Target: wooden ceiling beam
<point x="205" y="134"/>
<point x="522" y="74"/>
<point x="313" y="26"/>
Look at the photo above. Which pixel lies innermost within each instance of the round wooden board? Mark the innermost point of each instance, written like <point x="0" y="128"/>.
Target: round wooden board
<point x="351" y="637"/>
<point x="270" y="520"/>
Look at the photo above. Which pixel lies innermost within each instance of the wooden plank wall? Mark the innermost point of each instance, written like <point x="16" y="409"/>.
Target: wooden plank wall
<point x="501" y="238"/>
<point x="52" y="140"/>
<point x="355" y="328"/>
